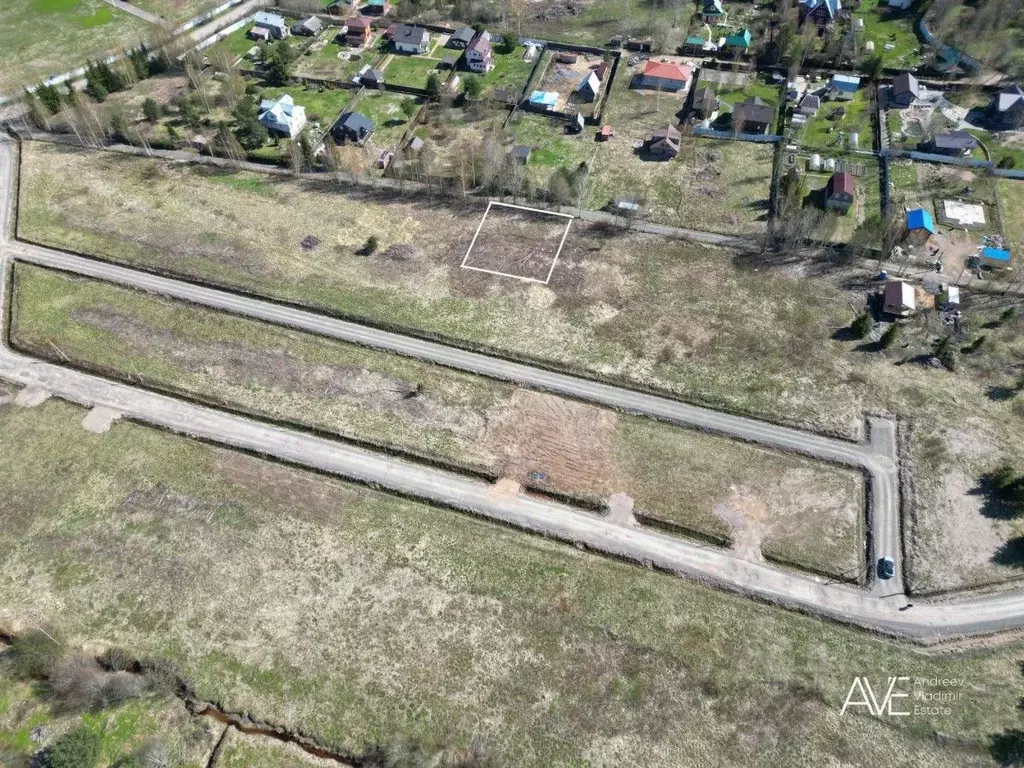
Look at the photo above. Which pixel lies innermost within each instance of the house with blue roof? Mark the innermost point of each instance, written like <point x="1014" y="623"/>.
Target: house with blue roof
<point x="843" y="87"/>
<point x="820" y="12"/>
<point x="740" y="39"/>
<point x="920" y="226"/>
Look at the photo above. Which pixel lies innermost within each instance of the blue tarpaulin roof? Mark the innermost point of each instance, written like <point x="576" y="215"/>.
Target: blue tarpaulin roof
<point x="919" y="218"/>
<point x="545" y="98"/>
<point x="995" y="254"/>
<point x="845" y="83"/>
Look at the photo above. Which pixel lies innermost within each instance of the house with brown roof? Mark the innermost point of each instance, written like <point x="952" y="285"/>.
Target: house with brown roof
<point x="898" y="298"/>
<point x="664" y="142"/>
<point x="752" y="116"/>
<point x="839" y="192"/>
<point x="358" y="31"/>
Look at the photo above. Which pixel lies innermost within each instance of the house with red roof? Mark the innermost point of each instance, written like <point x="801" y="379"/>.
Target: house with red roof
<point x="839" y="192"/>
<point x="664" y="76"/>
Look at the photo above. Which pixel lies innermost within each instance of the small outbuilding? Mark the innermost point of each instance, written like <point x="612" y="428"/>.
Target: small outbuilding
<point x="308" y="28"/>
<point x="995" y="258"/>
<point x="664" y="142"/>
<point x="898" y="298"/>
<point x="920" y="226"/>
<point x="521" y="153"/>
<point x="905" y="90"/>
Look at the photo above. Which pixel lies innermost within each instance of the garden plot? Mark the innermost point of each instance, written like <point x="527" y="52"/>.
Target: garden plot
<point x="518" y="242"/>
<point x="330" y="60"/>
<point x="564" y="78"/>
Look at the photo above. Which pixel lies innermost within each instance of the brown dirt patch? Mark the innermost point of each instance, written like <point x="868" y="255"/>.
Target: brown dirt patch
<point x="518" y="242"/>
<point x="746" y="513"/>
<point x="571" y="443"/>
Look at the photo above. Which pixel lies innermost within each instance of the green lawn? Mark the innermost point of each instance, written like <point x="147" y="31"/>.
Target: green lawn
<point x="822" y="133"/>
<point x="552" y="146"/>
<point x="326" y="103"/>
<point x="510" y="71"/>
<point x="385" y="110"/>
<point x="48" y="37"/>
<point x="324" y="62"/>
<point x="411" y="71"/>
<point x="237" y="43"/>
<point x="999" y="150"/>
<point x="889" y="26"/>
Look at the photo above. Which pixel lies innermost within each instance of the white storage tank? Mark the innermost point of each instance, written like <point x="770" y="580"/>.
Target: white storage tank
<point x="854" y="140"/>
<point x="830" y="164"/>
<point x="815" y="163"/>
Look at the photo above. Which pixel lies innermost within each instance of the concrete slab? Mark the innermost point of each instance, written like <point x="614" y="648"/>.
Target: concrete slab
<point x="30" y="397"/>
<point x="620" y="510"/>
<point x="99" y="419"/>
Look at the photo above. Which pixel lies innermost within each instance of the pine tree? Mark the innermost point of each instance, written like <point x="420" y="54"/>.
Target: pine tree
<point x="151" y="110"/>
<point x="49" y="97"/>
<point x="249" y="131"/>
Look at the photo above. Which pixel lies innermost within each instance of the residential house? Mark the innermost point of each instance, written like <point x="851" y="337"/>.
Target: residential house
<point x="953" y="143"/>
<point x="353" y="127"/>
<point x="358" y="32"/>
<point x="753" y="116"/>
<point x="839" y="192"/>
<point x="409" y="39"/>
<point x="376" y="7"/>
<point x="274" y="24"/>
<point x="309" y="28"/>
<point x="714" y="13"/>
<point x="664" y="76"/>
<point x="820" y="12"/>
<point x="705" y="104"/>
<point x="461" y="38"/>
<point x="664" y="142"/>
<point x="920" y="226"/>
<point x="739" y="40"/>
<point x="282" y="117"/>
<point x="843" y="87"/>
<point x="1006" y="112"/>
<point x="898" y="298"/>
<point x="521" y="153"/>
<point x="905" y="90"/>
<point x="589" y="87"/>
<point x="371" y="78"/>
<point x="479" y="57"/>
<point x="809" y="105"/>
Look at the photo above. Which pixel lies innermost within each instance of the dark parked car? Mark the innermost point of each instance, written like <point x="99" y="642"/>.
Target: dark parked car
<point x="886" y="568"/>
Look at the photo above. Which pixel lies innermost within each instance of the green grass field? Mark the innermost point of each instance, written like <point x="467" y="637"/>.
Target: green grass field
<point x="365" y="619"/>
<point x="177" y="10"/>
<point x="48" y="37"/>
<point x="411" y="71"/>
<point x="823" y="133"/>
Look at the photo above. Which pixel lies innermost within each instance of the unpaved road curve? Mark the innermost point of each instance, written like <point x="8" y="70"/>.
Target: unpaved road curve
<point x="877" y="609"/>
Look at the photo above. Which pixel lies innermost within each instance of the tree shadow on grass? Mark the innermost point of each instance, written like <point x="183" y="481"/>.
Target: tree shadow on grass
<point x="1007" y="748"/>
<point x="1000" y="394"/>
<point x="995" y="506"/>
<point x="1011" y="554"/>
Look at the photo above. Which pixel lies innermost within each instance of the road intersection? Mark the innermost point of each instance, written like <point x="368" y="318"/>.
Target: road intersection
<point x="876" y="608"/>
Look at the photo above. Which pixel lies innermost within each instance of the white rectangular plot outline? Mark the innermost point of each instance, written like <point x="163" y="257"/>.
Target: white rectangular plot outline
<point x="480" y="226"/>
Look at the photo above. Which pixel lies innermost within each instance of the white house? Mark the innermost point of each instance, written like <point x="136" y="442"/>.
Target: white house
<point x="410" y="39"/>
<point x="282" y="117"/>
<point x="275" y="25"/>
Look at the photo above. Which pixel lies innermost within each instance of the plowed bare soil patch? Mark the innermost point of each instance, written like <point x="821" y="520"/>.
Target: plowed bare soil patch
<point x="569" y="442"/>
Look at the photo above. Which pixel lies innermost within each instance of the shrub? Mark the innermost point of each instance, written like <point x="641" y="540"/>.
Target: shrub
<point x="1007" y="162"/>
<point x="116" y="659"/>
<point x="118" y="688"/>
<point x="78" y="748"/>
<point x="34" y="654"/>
<point x="164" y="676"/>
<point x="76" y="682"/>
<point x="372" y="244"/>
<point x="862" y="325"/>
<point x="890" y="337"/>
